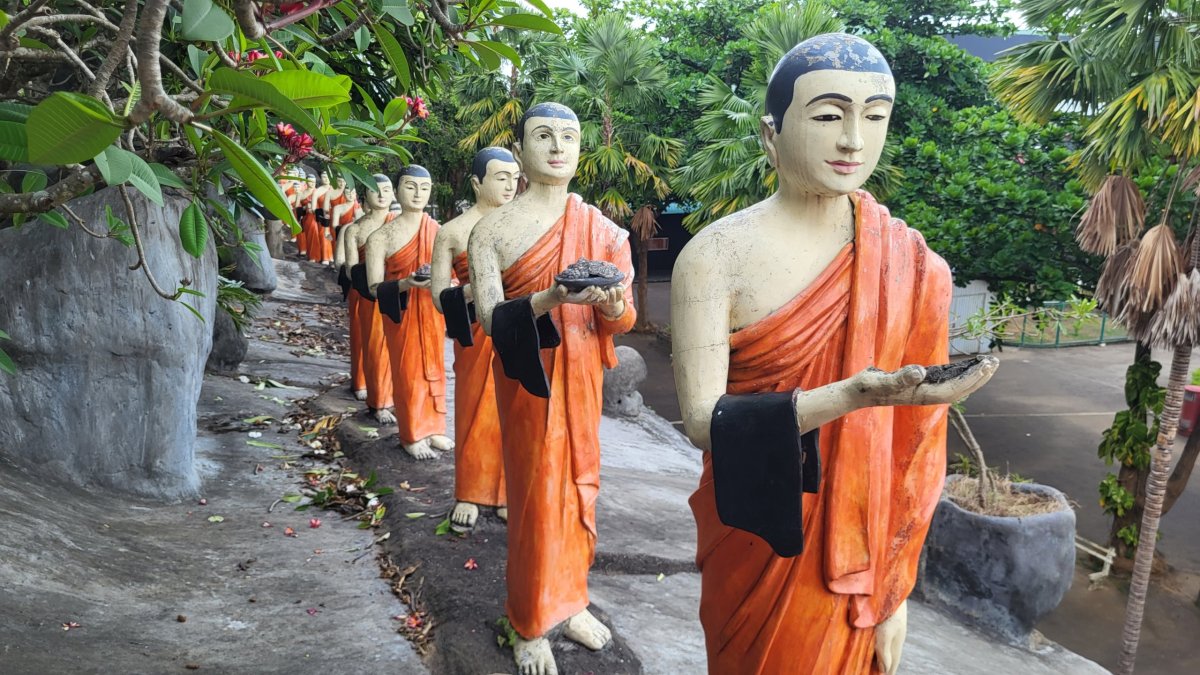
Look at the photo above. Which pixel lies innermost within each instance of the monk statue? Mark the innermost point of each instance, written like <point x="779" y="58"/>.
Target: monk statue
<point x="320" y="242"/>
<point x="804" y="328"/>
<point x="478" y="462"/>
<point x="366" y="323"/>
<point x="343" y="210"/>
<point x="553" y="345"/>
<point x="398" y="259"/>
<point x="304" y="213"/>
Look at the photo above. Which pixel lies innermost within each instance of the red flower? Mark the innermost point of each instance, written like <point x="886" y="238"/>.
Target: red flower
<point x="416" y="106"/>
<point x="254" y="55"/>
<point x="278" y="54"/>
<point x="413" y="621"/>
<point x="314" y="523"/>
<point x="471" y="564"/>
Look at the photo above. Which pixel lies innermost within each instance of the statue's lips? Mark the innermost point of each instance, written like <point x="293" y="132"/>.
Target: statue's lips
<point x="844" y="167"/>
<point x="557" y="163"/>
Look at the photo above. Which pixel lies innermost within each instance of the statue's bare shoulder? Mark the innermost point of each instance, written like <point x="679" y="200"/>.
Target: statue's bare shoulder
<point x="717" y="254"/>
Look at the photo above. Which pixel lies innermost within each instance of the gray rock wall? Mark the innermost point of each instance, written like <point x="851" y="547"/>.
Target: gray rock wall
<point x="109" y="372"/>
<point x="254" y="269"/>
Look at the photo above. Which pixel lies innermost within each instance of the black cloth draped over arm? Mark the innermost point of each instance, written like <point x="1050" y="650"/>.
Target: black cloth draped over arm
<point x="761" y="465"/>
<point x="459" y="314"/>
<point x="518" y="338"/>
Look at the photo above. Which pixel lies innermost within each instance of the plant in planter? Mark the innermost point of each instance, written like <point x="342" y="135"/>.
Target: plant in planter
<point x="1000" y="554"/>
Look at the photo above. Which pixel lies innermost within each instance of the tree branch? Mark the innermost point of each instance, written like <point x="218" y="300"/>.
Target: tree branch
<point x="154" y="97"/>
<point x="246" y="12"/>
<point x="6" y="34"/>
<point x="141" y="251"/>
<point x="53" y="196"/>
<point x="363" y="18"/>
<point x="117" y="53"/>
<point x="435" y="9"/>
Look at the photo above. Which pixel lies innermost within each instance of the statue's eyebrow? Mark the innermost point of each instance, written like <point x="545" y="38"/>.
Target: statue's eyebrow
<point x="881" y="97"/>
<point x="838" y="97"/>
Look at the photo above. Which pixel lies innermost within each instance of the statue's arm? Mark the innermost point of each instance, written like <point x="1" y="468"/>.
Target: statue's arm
<point x="339" y="252"/>
<point x="700" y="304"/>
<point x="484" y="263"/>
<point x="376" y="260"/>
<point x="442" y="267"/>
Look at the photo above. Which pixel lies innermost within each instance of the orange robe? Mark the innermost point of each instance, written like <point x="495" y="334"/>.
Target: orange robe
<point x="478" y="459"/>
<point x="307" y="242"/>
<point x="324" y="244"/>
<point x="552" y="446"/>
<point x="416" y="345"/>
<point x="377" y="366"/>
<point x="883" y="302"/>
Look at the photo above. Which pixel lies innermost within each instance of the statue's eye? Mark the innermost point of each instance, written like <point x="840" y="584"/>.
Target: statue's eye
<point x="827" y="118"/>
<point x="876" y="117"/>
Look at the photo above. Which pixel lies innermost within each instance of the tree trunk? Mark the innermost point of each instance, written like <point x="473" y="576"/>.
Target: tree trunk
<point x="1134" y="481"/>
<point x="1156" y="488"/>
<point x="1183" y="471"/>
<point x="643" y="268"/>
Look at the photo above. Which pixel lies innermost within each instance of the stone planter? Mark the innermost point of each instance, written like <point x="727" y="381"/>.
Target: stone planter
<point x="1001" y="574"/>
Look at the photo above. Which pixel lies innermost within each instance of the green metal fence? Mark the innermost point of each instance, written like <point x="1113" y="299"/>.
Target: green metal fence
<point x="1095" y="329"/>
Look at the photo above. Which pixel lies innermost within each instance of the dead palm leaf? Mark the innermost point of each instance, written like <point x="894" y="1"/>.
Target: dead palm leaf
<point x="1115" y="215"/>
<point x="1155" y="269"/>
<point x="1178" y="322"/>
<point x="1112" y="289"/>
<point x="644" y="225"/>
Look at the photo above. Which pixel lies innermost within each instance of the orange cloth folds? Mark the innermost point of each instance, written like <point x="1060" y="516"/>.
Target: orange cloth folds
<point x="376" y="365"/>
<point x="416" y="345"/>
<point x="478" y="458"/>
<point x="552" y="446"/>
<point x="883" y="302"/>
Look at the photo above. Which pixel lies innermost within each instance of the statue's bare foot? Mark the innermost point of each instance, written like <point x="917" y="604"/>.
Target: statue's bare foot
<point x="420" y="450"/>
<point x="464" y="514"/>
<point x="385" y="416"/>
<point x="360" y="394"/>
<point x="587" y="631"/>
<point x="534" y="657"/>
<point x="440" y="442"/>
<point x="502" y="513"/>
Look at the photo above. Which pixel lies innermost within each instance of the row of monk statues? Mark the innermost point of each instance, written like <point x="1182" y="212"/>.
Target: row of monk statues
<point x="802" y="327"/>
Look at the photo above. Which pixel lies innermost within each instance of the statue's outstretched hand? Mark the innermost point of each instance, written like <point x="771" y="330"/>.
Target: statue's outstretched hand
<point x="412" y="282"/>
<point x="907" y="386"/>
<point x="889" y="639"/>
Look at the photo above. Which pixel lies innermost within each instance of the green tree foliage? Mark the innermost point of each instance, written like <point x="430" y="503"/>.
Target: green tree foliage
<point x="997" y="200"/>
<point x="927" y="18"/>
<point x="612" y="76"/>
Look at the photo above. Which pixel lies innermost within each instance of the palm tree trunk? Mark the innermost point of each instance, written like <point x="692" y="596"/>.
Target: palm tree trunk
<point x="643" y="263"/>
<point x="1156" y="488"/>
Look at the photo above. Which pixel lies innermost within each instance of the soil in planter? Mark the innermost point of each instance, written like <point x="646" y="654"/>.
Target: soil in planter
<point x="1004" y="501"/>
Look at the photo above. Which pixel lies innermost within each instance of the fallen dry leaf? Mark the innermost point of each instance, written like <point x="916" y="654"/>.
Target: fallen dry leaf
<point x="289" y="532"/>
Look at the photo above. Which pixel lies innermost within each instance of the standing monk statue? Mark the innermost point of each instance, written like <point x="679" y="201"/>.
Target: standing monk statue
<point x="802" y="327"/>
<point x="398" y="258"/>
<point x="366" y="323"/>
<point x="478" y="461"/>
<point x="553" y="345"/>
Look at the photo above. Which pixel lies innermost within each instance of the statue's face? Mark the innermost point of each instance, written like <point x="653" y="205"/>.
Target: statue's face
<point x="414" y="193"/>
<point x="324" y="178"/>
<point x="341" y="183"/>
<point x="499" y="184"/>
<point x="549" y="151"/>
<point x="381" y="197"/>
<point x="309" y="181"/>
<point x="833" y="131"/>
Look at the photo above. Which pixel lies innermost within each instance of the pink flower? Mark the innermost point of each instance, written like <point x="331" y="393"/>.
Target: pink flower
<point x="284" y="130"/>
<point x="314" y="523"/>
<point x="254" y="55"/>
<point x="416" y="106"/>
<point x="278" y="54"/>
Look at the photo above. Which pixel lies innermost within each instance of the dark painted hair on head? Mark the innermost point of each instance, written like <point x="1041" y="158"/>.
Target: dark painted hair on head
<point x="380" y="178"/>
<point x="549" y="109"/>
<point x="830" y="51"/>
<point x="415" y="170"/>
<point x="480" y="163"/>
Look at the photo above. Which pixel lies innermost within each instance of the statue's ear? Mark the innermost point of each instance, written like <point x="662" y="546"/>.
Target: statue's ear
<point x="766" y="134"/>
<point x="516" y="151"/>
<point x="475" y="185"/>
